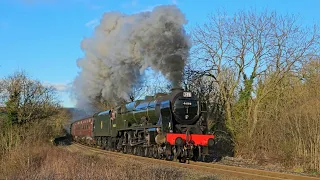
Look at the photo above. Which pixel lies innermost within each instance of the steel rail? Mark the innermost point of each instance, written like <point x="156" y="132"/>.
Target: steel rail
<point x="207" y="167"/>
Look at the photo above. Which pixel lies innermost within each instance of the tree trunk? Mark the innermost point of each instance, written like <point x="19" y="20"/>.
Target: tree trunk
<point x="228" y="116"/>
<point x="254" y="119"/>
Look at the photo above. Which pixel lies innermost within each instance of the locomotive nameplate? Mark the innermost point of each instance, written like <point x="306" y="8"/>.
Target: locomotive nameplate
<point x="187" y="94"/>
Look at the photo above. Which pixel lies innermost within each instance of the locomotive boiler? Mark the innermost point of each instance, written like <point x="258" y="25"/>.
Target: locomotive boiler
<point x="169" y="126"/>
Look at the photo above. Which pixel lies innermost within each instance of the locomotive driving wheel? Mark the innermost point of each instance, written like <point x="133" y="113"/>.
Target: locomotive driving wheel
<point x="140" y="151"/>
<point x="135" y="150"/>
<point x="183" y="159"/>
<point x="150" y="152"/>
<point x="104" y="143"/>
<point x="98" y="141"/>
<point x="146" y="152"/>
<point x="155" y="152"/>
<point x="169" y="156"/>
<point x="125" y="149"/>
<point x="129" y="149"/>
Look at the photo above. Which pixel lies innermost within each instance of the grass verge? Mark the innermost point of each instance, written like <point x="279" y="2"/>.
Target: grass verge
<point x="50" y="162"/>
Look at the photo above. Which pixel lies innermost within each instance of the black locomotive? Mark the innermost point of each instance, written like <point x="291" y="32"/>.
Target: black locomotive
<point x="166" y="126"/>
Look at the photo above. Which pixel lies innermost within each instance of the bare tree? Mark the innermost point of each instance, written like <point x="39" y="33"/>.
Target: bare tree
<point x="206" y="89"/>
<point x="28" y="100"/>
<point x="32" y="112"/>
<point x="239" y="52"/>
<point x="288" y="120"/>
<point x="139" y="90"/>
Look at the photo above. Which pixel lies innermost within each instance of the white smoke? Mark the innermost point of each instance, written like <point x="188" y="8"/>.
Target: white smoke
<point x="123" y="46"/>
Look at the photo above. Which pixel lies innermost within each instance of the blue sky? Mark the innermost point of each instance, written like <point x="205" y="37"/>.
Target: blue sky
<point x="43" y="37"/>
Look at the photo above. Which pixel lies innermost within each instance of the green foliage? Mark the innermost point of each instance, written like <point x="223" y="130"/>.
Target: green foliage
<point x="263" y="110"/>
<point x="245" y="94"/>
<point x="224" y="141"/>
<point x="12" y="107"/>
<point x="27" y="99"/>
<point x="241" y="107"/>
<point x="32" y="114"/>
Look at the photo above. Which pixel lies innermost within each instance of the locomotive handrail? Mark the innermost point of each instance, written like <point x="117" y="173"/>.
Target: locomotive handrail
<point x="140" y="127"/>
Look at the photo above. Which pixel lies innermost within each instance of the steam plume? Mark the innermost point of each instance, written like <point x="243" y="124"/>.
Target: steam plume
<point x="123" y="46"/>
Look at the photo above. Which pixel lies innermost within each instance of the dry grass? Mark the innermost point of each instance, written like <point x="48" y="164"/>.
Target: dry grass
<point x="58" y="163"/>
<point x="287" y="128"/>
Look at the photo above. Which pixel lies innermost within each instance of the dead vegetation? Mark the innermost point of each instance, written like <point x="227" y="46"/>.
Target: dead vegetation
<point x="32" y="118"/>
<point x="32" y="113"/>
<point x="258" y="72"/>
<point x="262" y="70"/>
<point x="55" y="163"/>
<point x="46" y="162"/>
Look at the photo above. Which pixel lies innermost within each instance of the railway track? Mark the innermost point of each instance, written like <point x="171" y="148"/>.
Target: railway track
<point x="247" y="173"/>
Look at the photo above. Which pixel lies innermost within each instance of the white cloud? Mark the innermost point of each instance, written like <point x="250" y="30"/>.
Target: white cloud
<point x="63" y="92"/>
<point x="62" y="87"/>
<point x="92" y="23"/>
<point x="148" y="8"/>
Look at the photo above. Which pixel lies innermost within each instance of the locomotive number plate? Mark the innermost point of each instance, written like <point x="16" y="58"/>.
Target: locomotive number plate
<point x="187" y="94"/>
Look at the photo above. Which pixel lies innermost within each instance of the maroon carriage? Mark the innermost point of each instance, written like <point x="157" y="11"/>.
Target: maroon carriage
<point x="81" y="130"/>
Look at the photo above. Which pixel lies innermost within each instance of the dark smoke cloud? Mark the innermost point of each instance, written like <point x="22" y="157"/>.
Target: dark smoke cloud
<point x="123" y="46"/>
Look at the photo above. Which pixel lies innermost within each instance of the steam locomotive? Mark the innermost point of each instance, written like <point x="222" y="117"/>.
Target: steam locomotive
<point x="167" y="126"/>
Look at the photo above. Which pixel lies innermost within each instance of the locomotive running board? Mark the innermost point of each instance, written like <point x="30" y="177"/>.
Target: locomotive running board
<point x="140" y="128"/>
<point x="134" y="144"/>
